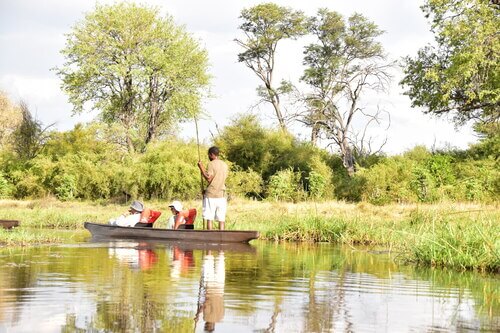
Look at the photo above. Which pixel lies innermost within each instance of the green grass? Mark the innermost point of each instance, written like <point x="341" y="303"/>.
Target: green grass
<point x="25" y="237"/>
<point x="459" y="236"/>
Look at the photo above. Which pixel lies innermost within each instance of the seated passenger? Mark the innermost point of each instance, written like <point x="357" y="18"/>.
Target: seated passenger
<point x="181" y="219"/>
<point x="131" y="218"/>
<point x="148" y="217"/>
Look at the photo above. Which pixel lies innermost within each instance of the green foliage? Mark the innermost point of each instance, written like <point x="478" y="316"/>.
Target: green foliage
<point x="388" y="182"/>
<point x="81" y="164"/>
<point x="285" y="185"/>
<point x="346" y="57"/>
<point x="5" y="187"/>
<point x="167" y="170"/>
<point x="317" y="184"/>
<point x="488" y="148"/>
<point x="319" y="181"/>
<point x="478" y="180"/>
<point x="67" y="188"/>
<point x="420" y="176"/>
<point x="422" y="184"/>
<point x="264" y="26"/>
<point x="244" y="183"/>
<point x="245" y="143"/>
<point x="27" y="185"/>
<point x="461" y="74"/>
<point x="30" y="136"/>
<point x="137" y="69"/>
<point x="78" y="164"/>
<point x="253" y="148"/>
<point x="12" y="112"/>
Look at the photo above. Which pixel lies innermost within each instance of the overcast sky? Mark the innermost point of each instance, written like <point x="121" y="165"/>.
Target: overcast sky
<point x="33" y="32"/>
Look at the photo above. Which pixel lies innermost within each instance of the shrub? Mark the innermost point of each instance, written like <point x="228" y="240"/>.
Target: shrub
<point x="319" y="180"/>
<point x="422" y="184"/>
<point x="478" y="180"/>
<point x="67" y="189"/>
<point x="388" y="181"/>
<point x="244" y="183"/>
<point x="285" y="185"/>
<point x="5" y="187"/>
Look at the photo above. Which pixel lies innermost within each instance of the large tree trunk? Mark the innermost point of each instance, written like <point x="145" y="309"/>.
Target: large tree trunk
<point x="279" y="115"/>
<point x="154" y="111"/>
<point x="128" y="118"/>
<point x="275" y="101"/>
<point x="315" y="134"/>
<point x="347" y="157"/>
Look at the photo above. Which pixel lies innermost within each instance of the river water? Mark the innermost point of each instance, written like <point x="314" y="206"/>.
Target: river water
<point x="131" y="286"/>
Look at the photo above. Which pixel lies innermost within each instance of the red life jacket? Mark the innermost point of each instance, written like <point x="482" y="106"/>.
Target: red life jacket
<point x="149" y="216"/>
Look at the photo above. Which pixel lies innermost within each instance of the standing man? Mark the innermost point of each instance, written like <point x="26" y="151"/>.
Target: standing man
<point x="214" y="198"/>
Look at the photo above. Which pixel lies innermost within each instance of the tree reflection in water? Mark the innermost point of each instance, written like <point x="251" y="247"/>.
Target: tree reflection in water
<point x="267" y="287"/>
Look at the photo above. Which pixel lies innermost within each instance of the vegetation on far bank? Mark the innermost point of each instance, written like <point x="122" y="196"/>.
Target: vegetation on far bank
<point x="265" y="164"/>
<point x="460" y="236"/>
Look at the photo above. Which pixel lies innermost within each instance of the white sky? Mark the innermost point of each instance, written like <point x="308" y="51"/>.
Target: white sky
<point x="33" y="32"/>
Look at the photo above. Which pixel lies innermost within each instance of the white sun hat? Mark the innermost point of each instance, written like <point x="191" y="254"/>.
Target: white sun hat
<point x="177" y="205"/>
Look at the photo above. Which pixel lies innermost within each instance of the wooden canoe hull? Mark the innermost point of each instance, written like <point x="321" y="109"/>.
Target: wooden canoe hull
<point x="210" y="236"/>
<point x="7" y="224"/>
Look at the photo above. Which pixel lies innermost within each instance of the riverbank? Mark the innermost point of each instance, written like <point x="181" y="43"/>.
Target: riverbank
<point x="459" y="236"/>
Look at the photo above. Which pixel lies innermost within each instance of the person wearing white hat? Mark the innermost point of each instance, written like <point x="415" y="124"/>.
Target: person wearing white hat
<point x="131" y="218"/>
<point x="181" y="219"/>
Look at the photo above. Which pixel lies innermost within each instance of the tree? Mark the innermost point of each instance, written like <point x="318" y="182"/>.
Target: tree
<point x="12" y="116"/>
<point x="460" y="75"/>
<point x="345" y="61"/>
<point x="250" y="146"/>
<point x="264" y="26"/>
<point x="30" y="136"/>
<point x="138" y="69"/>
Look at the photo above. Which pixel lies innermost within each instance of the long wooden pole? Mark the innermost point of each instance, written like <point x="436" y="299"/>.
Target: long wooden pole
<point x="199" y="159"/>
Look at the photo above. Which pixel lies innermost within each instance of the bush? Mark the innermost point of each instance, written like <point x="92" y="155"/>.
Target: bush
<point x="253" y="148"/>
<point x="5" y="187"/>
<point x="319" y="180"/>
<point x="168" y="170"/>
<point x="285" y="185"/>
<point x="422" y="184"/>
<point x="244" y="183"/>
<point x="67" y="189"/>
<point x="478" y="180"/>
<point x="388" y="181"/>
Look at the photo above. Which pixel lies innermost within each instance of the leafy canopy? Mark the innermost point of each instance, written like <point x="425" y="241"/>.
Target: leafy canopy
<point x="461" y="73"/>
<point x="136" y="68"/>
<point x="264" y="26"/>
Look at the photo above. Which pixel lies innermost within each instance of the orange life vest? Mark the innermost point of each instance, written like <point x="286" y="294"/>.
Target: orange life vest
<point x="149" y="215"/>
<point x="186" y="216"/>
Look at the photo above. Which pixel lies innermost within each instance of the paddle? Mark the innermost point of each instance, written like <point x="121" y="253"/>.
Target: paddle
<point x="199" y="159"/>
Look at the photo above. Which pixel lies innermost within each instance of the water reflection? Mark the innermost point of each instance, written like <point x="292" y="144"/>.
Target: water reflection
<point x="136" y="255"/>
<point x="182" y="261"/>
<point x="175" y="287"/>
<point x="213" y="279"/>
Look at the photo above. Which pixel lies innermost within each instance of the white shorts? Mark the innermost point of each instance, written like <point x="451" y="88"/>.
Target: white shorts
<point x="214" y="209"/>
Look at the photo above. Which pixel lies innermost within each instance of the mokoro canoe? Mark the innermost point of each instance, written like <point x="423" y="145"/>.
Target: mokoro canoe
<point x="7" y="224"/>
<point x="210" y="236"/>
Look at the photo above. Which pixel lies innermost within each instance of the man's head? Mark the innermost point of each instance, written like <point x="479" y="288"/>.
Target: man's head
<point x="213" y="153"/>
<point x="209" y="326"/>
<point x="136" y="207"/>
<point x="176" y="206"/>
